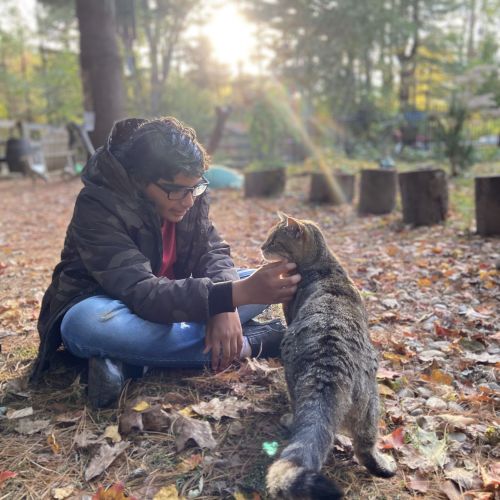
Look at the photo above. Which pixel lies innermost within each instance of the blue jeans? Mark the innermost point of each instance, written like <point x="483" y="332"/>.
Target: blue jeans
<point x="105" y="327"/>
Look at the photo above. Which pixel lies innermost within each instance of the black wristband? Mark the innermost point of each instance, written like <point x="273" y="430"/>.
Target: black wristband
<point x="220" y="298"/>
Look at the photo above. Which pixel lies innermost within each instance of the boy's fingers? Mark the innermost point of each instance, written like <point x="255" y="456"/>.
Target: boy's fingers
<point x="215" y="356"/>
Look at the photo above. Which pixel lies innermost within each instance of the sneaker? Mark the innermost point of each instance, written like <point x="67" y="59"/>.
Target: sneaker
<point x="264" y="338"/>
<point x="106" y="380"/>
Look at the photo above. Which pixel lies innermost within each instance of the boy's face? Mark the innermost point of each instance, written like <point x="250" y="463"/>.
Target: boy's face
<point x="172" y="210"/>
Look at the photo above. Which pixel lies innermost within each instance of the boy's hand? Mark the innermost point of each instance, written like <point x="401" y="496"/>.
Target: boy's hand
<point x="224" y="337"/>
<point x="270" y="284"/>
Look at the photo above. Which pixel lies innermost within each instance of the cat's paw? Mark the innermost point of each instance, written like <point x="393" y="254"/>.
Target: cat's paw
<point x="379" y="464"/>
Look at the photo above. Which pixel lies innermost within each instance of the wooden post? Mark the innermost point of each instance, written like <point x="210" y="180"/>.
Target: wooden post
<point x="320" y="190"/>
<point x="377" y="191"/>
<point x="487" y="190"/>
<point x="424" y="196"/>
<point x="265" y="183"/>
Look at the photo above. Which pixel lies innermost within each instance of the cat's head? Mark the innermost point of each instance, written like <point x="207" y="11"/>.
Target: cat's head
<point x="298" y="241"/>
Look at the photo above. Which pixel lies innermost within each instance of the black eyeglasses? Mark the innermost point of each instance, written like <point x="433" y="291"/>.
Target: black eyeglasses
<point x="177" y="192"/>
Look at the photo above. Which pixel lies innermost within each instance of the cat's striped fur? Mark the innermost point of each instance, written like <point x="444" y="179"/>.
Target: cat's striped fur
<point x="330" y="367"/>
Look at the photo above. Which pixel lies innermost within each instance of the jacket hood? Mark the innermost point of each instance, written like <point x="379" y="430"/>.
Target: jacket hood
<point x="104" y="170"/>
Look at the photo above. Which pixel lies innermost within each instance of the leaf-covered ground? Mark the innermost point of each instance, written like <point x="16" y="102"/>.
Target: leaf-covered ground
<point x="433" y="296"/>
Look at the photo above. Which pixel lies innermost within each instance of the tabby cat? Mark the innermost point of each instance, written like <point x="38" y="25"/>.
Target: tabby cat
<point x="330" y="367"/>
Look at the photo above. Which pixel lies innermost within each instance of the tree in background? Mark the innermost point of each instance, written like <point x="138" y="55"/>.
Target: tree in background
<point x="101" y="65"/>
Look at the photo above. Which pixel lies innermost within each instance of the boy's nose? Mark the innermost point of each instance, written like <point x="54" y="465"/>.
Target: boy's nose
<point x="188" y="200"/>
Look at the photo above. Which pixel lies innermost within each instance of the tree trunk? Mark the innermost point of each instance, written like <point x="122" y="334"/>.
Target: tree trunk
<point x="424" y="196"/>
<point x="488" y="205"/>
<point x="222" y="114"/>
<point x="377" y="191"/>
<point x="101" y="64"/>
<point x="322" y="192"/>
<point x="265" y="183"/>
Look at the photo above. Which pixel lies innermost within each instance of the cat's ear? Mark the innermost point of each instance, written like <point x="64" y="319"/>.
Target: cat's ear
<point x="283" y="217"/>
<point x="295" y="227"/>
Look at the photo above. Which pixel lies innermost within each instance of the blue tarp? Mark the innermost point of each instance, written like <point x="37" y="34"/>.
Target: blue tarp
<point x="221" y="177"/>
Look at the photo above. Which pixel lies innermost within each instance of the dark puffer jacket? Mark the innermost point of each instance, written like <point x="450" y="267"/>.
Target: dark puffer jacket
<point x="113" y="246"/>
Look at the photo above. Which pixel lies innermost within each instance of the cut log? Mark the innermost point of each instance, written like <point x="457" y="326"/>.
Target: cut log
<point x="424" y="196"/>
<point x="487" y="190"/>
<point x="320" y="190"/>
<point x="377" y="191"/>
<point x="265" y="183"/>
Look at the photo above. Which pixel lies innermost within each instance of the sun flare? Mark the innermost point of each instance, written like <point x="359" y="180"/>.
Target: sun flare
<point x="232" y="37"/>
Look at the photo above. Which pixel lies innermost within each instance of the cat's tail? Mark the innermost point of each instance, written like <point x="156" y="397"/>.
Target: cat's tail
<point x="287" y="480"/>
<point x="296" y="475"/>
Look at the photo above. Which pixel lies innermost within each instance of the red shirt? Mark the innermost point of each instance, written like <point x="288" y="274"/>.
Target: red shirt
<point x="169" y="255"/>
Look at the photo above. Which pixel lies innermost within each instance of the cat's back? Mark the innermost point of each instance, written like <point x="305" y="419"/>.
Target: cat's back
<point x="329" y="327"/>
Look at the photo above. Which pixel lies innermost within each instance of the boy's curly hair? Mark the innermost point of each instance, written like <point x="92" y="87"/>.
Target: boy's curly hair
<point x="161" y="148"/>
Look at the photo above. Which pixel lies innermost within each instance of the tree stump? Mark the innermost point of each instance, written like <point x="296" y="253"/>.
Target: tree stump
<point x="424" y="196"/>
<point x="320" y="190"/>
<point x="377" y="191"/>
<point x="487" y="190"/>
<point x="265" y="183"/>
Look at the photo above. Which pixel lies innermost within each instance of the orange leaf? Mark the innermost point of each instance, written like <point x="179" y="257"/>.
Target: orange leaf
<point x="190" y="463"/>
<point x="491" y="477"/>
<point x="440" y="377"/>
<point x="6" y="474"/>
<point x="54" y="445"/>
<point x="392" y="250"/>
<point x="445" y="332"/>
<point x="424" y="282"/>
<point x="115" y="492"/>
<point x="394" y="440"/>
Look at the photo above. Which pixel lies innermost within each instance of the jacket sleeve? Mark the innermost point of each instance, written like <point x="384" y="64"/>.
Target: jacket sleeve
<point x="113" y="259"/>
<point x="215" y="260"/>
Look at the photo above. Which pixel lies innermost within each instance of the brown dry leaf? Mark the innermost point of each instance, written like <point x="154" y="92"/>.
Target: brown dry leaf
<point x="451" y="492"/>
<point x="115" y="492"/>
<point x="69" y="418"/>
<point x="86" y="439"/>
<point x="247" y="495"/>
<point x="105" y="456"/>
<point x="385" y="374"/>
<point x="186" y="429"/>
<point x="190" y="463"/>
<point x="24" y="412"/>
<point x="457" y="421"/>
<point x="394" y="440"/>
<point x="419" y="484"/>
<point x="440" y="377"/>
<point x="18" y="387"/>
<point x="111" y="432"/>
<point x="467" y="480"/>
<point x="130" y="421"/>
<point x="491" y="477"/>
<point x="260" y="367"/>
<point x="414" y="460"/>
<point x="383" y="390"/>
<point x="167" y="493"/>
<point x="156" y="419"/>
<point x="424" y="282"/>
<point x="62" y="493"/>
<point x="216" y="408"/>
<point x="478" y="495"/>
<point x="29" y="427"/>
<point x="54" y="445"/>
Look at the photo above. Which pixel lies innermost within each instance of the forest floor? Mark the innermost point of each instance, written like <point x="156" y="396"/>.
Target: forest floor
<point x="433" y="298"/>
